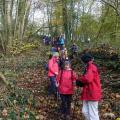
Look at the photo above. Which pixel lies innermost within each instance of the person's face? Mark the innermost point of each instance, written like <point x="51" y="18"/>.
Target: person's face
<point x="67" y="66"/>
<point x="58" y="49"/>
<point x="57" y="58"/>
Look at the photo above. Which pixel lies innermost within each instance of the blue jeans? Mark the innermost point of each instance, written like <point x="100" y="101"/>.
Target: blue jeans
<point x="52" y="88"/>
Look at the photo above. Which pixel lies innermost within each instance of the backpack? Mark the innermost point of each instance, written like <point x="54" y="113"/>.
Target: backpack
<point x="46" y="66"/>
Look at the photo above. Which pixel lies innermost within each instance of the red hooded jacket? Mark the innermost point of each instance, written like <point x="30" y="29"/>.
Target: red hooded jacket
<point x="65" y="80"/>
<point x="92" y="87"/>
<point x="52" y="66"/>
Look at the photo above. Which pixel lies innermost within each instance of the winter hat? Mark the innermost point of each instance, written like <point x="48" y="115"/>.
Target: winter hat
<point x="86" y="58"/>
<point x="67" y="62"/>
<point x="55" y="54"/>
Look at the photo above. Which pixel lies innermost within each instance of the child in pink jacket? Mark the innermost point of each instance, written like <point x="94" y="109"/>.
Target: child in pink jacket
<point x="66" y="79"/>
<point x="52" y="73"/>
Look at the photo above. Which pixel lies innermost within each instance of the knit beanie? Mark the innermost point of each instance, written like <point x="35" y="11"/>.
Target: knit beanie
<point x="86" y="58"/>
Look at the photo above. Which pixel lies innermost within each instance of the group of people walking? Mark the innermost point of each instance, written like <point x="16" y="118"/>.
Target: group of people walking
<point x="63" y="80"/>
<point x="59" y="40"/>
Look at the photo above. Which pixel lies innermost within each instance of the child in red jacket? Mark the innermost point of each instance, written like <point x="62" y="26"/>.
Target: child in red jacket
<point x="66" y="79"/>
<point x="91" y="92"/>
<point x="53" y="69"/>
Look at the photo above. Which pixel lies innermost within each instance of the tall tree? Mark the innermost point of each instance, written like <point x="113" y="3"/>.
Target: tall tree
<point x="65" y="19"/>
<point x="14" y="21"/>
<point x="115" y="4"/>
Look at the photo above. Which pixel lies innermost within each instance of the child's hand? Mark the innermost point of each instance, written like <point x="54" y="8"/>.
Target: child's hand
<point x="57" y="84"/>
<point x="56" y="73"/>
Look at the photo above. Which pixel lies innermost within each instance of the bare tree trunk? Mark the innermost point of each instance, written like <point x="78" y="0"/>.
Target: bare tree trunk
<point x="13" y="27"/>
<point x="72" y="20"/>
<point x="25" y="18"/>
<point x="77" y="19"/>
<point x="10" y="21"/>
<point x="4" y="21"/>
<point x="65" y="19"/>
